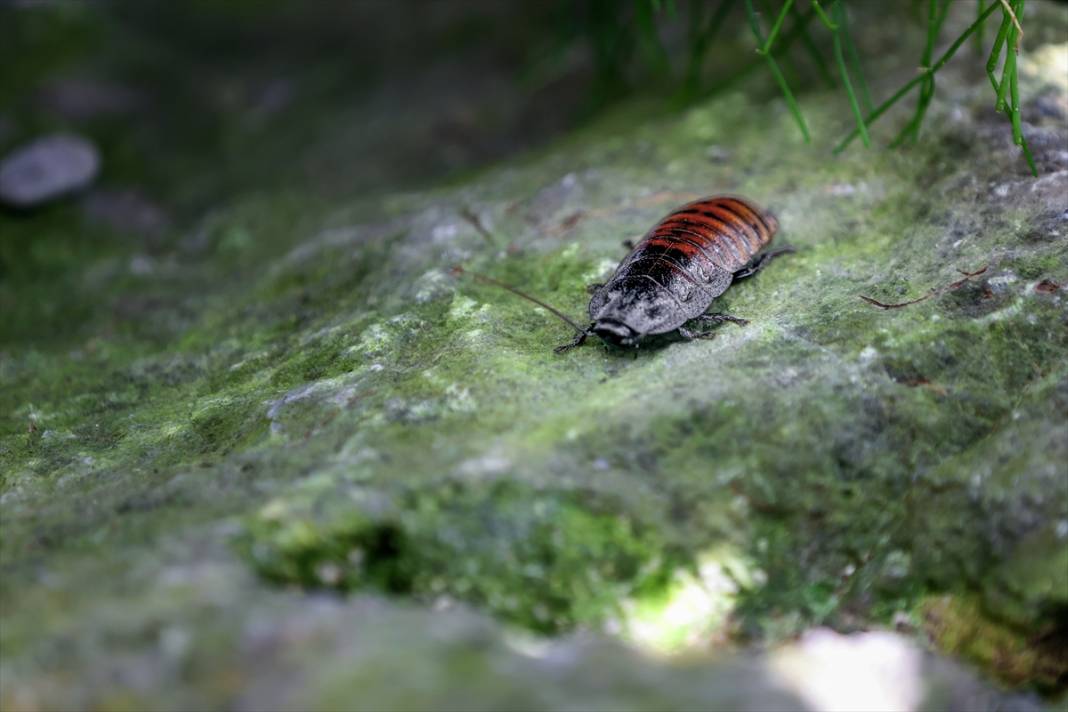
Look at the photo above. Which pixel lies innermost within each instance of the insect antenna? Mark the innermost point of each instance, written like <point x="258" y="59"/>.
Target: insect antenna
<point x="457" y="270"/>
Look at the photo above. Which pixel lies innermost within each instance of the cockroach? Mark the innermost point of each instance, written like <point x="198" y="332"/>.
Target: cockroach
<point x="674" y="273"/>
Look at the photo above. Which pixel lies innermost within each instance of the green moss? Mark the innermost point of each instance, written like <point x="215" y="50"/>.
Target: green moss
<point x="1030" y="589"/>
<point x="547" y="560"/>
<point x="959" y="625"/>
<point x="224" y="424"/>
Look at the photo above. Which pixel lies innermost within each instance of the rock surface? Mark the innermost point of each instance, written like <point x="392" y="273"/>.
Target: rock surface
<point x="291" y="462"/>
<point x="47" y="168"/>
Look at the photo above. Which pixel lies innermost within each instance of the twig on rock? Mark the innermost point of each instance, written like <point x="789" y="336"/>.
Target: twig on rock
<point x="935" y="291"/>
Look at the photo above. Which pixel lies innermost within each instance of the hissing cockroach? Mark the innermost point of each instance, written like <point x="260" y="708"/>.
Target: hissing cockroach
<point x="672" y="276"/>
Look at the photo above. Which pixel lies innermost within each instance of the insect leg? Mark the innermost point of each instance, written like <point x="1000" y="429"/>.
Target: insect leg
<point x="691" y="335"/>
<point x="579" y="340"/>
<point x="718" y="318"/>
<point x="761" y="262"/>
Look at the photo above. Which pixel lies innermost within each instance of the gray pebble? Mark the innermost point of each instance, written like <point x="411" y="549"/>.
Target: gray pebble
<point x="47" y="168"/>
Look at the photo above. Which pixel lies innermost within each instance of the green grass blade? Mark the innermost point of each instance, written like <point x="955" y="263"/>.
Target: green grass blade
<point x="935" y="18"/>
<point x="791" y="102"/>
<point x="952" y="49"/>
<point x="912" y="128"/>
<point x="854" y="59"/>
<point x="813" y="50"/>
<point x="1008" y="69"/>
<point x="700" y="40"/>
<point x="995" y="52"/>
<point x="832" y="26"/>
<point x="1017" y="129"/>
<point x="766" y="46"/>
<point x="946" y="56"/>
<point x="645" y="15"/>
<point x="837" y="9"/>
<point x="786" y="42"/>
<point x="932" y="17"/>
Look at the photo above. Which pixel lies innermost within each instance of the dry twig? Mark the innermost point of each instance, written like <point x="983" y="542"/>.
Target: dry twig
<point x="934" y="291"/>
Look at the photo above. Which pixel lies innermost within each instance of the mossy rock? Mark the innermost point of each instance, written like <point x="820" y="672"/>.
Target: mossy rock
<point x="548" y="561"/>
<point x="287" y="455"/>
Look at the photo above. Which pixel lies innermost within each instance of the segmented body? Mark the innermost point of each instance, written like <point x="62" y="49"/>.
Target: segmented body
<point x="681" y="265"/>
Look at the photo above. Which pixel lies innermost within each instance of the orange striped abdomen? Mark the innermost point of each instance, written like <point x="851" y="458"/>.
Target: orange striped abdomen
<point x="728" y="232"/>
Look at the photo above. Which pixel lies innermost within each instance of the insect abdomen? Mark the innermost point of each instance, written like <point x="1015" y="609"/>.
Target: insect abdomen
<point x="718" y="232"/>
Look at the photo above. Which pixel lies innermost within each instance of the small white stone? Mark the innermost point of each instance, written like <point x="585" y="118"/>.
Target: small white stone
<point x="46" y="169"/>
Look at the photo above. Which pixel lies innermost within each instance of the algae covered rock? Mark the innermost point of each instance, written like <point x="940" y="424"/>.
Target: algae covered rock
<point x="285" y="457"/>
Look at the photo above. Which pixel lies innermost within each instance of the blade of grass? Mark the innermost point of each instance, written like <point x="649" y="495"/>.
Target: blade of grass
<point x="814" y="52"/>
<point x="1007" y="70"/>
<point x="854" y="59"/>
<point x="832" y="26"/>
<point x="1017" y="130"/>
<point x="935" y="18"/>
<point x="837" y="10"/>
<point x="995" y="52"/>
<point x="656" y="55"/>
<point x="946" y="56"/>
<point x="701" y="39"/>
<point x="754" y="24"/>
<point x="741" y="75"/>
<point x="1015" y="21"/>
<point x="766" y="46"/>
